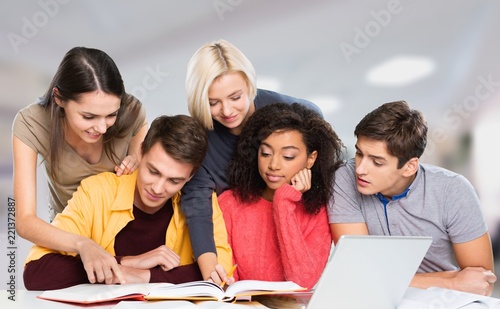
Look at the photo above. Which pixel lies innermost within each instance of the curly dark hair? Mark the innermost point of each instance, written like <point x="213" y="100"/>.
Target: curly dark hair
<point x="317" y="134"/>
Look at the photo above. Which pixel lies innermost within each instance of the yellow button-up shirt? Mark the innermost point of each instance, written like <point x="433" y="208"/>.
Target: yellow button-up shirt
<point x="103" y="205"/>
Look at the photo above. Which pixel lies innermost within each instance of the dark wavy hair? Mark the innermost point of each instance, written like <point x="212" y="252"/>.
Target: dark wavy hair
<point x="85" y="70"/>
<point x="317" y="134"/>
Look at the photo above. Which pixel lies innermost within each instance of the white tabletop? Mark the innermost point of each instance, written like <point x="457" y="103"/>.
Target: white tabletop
<point x="28" y="299"/>
<point x="414" y="298"/>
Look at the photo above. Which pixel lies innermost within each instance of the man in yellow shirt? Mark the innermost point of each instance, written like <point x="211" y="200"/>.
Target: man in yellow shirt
<point x="136" y="218"/>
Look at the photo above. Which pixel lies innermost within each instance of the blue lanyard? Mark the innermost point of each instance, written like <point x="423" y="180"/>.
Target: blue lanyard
<point x="385" y="201"/>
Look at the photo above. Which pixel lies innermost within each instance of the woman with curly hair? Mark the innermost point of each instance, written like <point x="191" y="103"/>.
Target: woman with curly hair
<point x="282" y="177"/>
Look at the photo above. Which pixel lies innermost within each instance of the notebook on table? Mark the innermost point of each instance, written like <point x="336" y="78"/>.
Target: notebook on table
<point x="367" y="271"/>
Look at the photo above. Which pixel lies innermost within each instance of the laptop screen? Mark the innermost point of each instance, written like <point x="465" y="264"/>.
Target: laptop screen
<point x="368" y="271"/>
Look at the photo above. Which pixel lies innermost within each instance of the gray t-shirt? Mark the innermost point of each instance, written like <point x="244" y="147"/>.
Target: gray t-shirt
<point x="439" y="203"/>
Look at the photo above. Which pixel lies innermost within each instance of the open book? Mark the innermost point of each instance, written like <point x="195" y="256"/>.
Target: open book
<point x="196" y="290"/>
<point x="186" y="304"/>
<point x="435" y="297"/>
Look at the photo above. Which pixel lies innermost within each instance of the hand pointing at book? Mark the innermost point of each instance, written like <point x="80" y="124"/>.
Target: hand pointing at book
<point x="99" y="265"/>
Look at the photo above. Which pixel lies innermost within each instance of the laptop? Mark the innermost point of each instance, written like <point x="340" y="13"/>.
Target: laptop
<point x="368" y="271"/>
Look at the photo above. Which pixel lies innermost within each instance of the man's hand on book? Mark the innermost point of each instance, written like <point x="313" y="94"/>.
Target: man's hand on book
<point x="161" y="256"/>
<point x="474" y="280"/>
<point x="477" y="280"/>
<point x="98" y="263"/>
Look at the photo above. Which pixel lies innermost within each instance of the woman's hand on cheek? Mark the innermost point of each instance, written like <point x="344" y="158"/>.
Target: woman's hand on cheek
<point x="302" y="180"/>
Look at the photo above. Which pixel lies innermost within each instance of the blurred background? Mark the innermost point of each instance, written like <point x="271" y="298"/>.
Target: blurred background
<point x="346" y="56"/>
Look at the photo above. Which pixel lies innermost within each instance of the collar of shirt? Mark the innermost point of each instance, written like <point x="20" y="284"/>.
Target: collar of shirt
<point x="384" y="200"/>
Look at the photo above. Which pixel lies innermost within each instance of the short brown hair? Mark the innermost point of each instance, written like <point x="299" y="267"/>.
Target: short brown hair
<point x="181" y="136"/>
<point x="404" y="130"/>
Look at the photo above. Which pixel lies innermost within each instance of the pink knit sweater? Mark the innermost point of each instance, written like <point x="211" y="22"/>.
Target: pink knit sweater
<point x="277" y="240"/>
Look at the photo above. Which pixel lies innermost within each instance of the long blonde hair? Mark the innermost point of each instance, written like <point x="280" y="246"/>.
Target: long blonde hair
<point x="208" y="63"/>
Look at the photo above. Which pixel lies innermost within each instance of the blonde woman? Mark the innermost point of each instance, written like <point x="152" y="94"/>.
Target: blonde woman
<point x="222" y="94"/>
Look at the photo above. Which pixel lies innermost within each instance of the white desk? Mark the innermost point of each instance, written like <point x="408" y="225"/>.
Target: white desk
<point x="27" y="299"/>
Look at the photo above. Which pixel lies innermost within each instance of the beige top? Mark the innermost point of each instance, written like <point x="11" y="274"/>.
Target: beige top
<point x="32" y="126"/>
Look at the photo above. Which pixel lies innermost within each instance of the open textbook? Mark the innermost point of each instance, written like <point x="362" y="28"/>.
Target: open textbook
<point x="435" y="297"/>
<point x="196" y="290"/>
<point x="185" y="304"/>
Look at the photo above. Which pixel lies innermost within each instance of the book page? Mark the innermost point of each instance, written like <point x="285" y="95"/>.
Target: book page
<point x="199" y="290"/>
<point x="256" y="287"/>
<point x="166" y="304"/>
<point x="236" y="305"/>
<point x="91" y="293"/>
<point x="435" y="297"/>
<point x="464" y="297"/>
<point x="189" y="290"/>
<point x="184" y="304"/>
<point x="196" y="290"/>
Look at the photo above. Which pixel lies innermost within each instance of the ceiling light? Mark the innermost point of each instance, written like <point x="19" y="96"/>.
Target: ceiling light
<point x="400" y="71"/>
<point x="328" y="104"/>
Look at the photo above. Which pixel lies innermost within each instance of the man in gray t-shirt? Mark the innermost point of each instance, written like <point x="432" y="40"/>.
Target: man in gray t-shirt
<point x="386" y="191"/>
